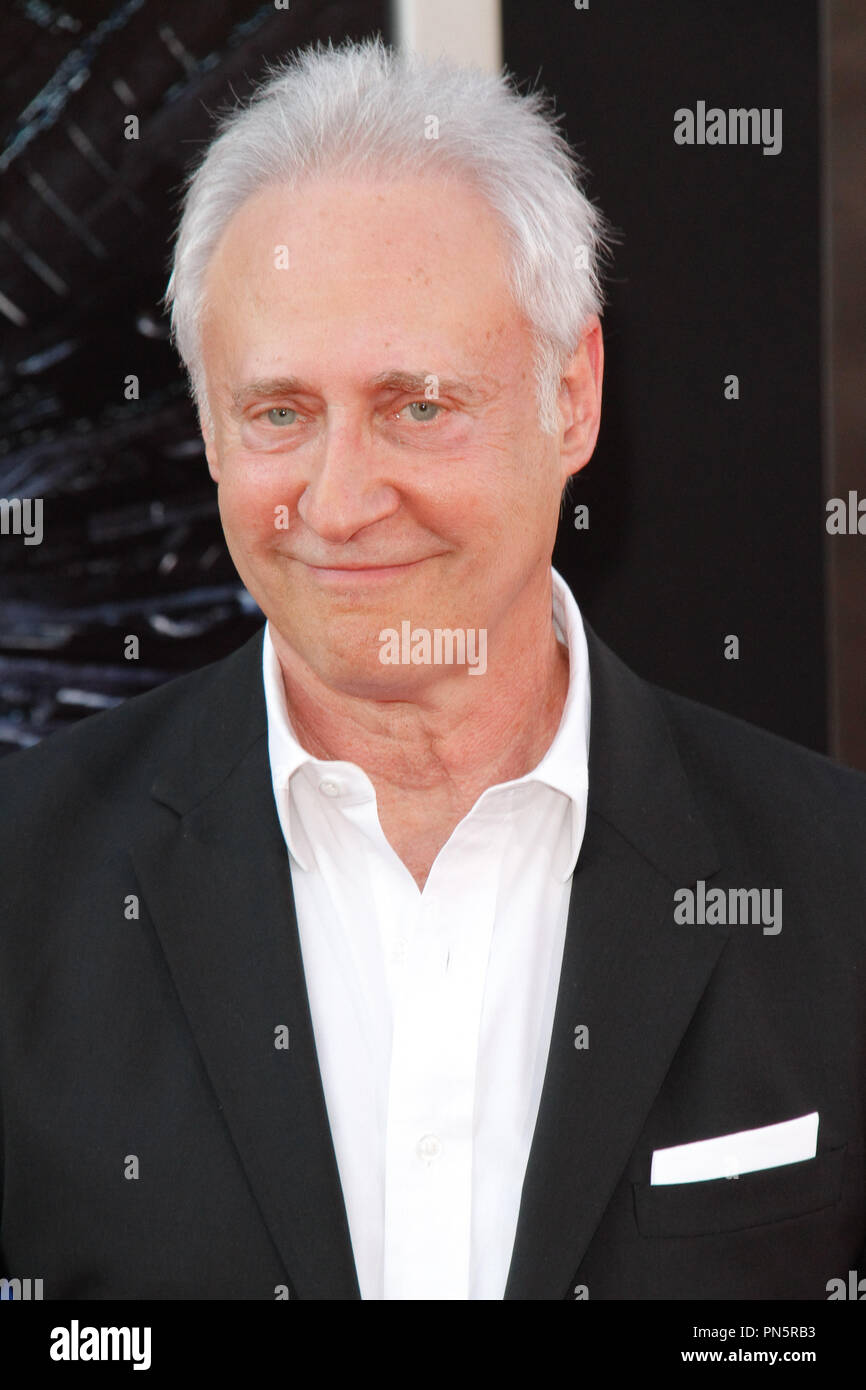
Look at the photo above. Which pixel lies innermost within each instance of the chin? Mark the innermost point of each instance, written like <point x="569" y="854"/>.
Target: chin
<point x="363" y="682"/>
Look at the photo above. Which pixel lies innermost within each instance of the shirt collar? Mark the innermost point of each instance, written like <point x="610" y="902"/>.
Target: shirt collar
<point x="564" y="766"/>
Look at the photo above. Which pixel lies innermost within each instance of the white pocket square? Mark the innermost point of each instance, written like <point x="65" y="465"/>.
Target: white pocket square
<point x="771" y="1146"/>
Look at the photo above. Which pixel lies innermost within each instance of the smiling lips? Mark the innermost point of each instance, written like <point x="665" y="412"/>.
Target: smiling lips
<point x="360" y="574"/>
<point x="362" y="569"/>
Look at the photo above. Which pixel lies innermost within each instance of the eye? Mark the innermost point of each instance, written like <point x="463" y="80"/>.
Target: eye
<point x="279" y="415"/>
<point x="428" y="410"/>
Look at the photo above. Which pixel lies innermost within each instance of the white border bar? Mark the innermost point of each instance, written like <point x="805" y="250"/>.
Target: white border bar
<point x="470" y="31"/>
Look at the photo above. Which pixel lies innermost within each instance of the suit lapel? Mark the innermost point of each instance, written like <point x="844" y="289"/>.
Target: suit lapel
<point x="215" y="878"/>
<point x="629" y="973"/>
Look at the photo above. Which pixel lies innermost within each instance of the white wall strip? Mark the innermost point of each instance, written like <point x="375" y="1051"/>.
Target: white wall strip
<point x="467" y="30"/>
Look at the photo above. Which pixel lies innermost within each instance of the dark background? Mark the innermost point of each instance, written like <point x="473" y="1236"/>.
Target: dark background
<point x="706" y="515"/>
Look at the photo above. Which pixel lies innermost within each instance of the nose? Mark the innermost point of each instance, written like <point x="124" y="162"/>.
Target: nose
<point x="346" y="488"/>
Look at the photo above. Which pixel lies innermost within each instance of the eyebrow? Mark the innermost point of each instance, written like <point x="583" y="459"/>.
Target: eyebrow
<point x="408" y="382"/>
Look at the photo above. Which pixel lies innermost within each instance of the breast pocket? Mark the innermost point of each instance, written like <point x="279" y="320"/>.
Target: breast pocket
<point x="735" y="1204"/>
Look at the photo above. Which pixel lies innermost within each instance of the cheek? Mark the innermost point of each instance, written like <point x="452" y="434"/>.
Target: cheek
<point x="255" y="507"/>
<point x="506" y="508"/>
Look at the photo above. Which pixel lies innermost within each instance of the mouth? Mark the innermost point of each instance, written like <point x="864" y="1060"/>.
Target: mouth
<point x="363" y="574"/>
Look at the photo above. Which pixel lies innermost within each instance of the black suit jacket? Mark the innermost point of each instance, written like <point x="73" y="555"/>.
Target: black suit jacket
<point x="156" y="1144"/>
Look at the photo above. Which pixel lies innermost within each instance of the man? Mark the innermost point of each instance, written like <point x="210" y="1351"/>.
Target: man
<point x="419" y="949"/>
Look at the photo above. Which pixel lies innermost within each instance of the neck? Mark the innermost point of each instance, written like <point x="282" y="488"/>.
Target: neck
<point x="460" y="734"/>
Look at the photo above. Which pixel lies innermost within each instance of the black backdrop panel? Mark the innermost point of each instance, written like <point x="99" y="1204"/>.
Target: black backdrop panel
<point x="132" y="542"/>
<point x="706" y="515"/>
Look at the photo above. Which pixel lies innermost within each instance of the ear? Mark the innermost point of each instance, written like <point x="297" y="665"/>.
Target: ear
<point x="580" y="400"/>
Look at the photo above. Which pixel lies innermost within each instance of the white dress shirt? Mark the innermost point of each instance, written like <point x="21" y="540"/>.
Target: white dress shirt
<point x="432" y="1010"/>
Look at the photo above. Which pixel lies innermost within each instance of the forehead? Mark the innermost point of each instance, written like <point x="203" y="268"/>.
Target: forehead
<point x="362" y="268"/>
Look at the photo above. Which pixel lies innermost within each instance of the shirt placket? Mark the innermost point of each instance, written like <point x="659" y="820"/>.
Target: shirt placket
<point x="437" y="1006"/>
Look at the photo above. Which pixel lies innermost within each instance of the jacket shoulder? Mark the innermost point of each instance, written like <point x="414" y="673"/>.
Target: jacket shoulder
<point x="130" y="742"/>
<point x="728" y="759"/>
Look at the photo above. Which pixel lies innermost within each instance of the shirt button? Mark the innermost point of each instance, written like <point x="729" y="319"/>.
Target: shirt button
<point x="330" y="787"/>
<point x="400" y="952"/>
<point x="428" y="1147"/>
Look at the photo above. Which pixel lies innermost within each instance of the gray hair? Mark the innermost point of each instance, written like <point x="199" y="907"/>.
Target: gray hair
<point x="363" y="108"/>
